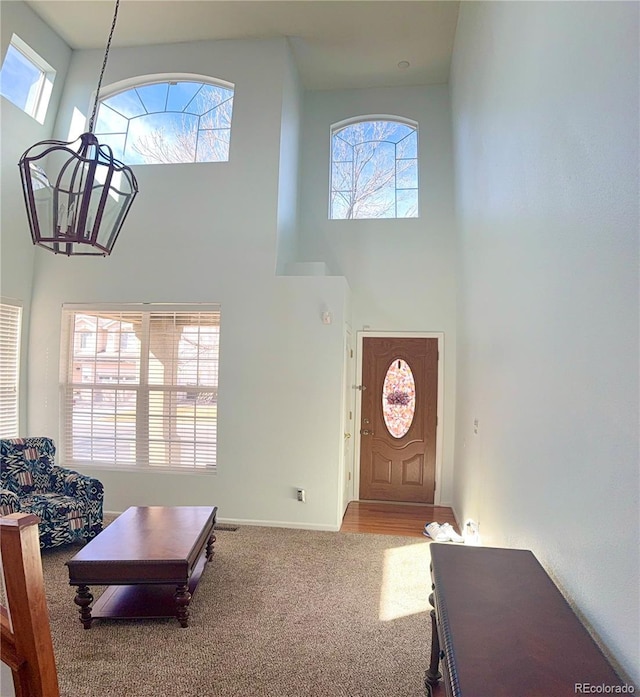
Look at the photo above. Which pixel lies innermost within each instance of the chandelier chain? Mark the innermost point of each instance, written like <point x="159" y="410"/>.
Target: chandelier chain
<point x="104" y="65"/>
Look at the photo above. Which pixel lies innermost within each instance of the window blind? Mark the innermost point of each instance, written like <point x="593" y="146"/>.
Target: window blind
<point x="10" y="326"/>
<point x="140" y="387"/>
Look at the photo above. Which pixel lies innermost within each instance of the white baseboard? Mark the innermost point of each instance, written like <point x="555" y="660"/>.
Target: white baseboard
<point x="295" y="525"/>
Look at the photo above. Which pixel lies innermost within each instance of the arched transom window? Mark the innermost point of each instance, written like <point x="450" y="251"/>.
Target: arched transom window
<point x="374" y="170"/>
<point x="168" y="122"/>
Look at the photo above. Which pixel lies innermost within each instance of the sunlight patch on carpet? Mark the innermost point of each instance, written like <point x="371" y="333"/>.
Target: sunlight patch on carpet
<point x="406" y="582"/>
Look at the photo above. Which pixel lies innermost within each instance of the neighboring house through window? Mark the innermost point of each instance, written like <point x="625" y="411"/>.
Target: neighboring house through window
<point x="374" y="169"/>
<point x="140" y="386"/>
<point x="26" y="79"/>
<point x="173" y="120"/>
<point x="10" y="328"/>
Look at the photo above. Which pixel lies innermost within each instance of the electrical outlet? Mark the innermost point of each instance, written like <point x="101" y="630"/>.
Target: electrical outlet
<point x="471" y="533"/>
<point x="301" y="495"/>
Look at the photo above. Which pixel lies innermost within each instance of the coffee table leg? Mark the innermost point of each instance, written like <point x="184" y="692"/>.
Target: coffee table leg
<point x="183" y="597"/>
<point x="83" y="600"/>
<point x="210" y="543"/>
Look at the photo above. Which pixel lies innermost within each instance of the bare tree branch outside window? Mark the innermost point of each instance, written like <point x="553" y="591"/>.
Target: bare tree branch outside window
<point x="374" y="171"/>
<point x="168" y="122"/>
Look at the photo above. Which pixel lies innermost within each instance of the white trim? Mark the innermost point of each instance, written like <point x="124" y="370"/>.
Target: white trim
<point x="142" y="306"/>
<point x="362" y="334"/>
<point x="294" y="525"/>
<point x="158" y="78"/>
<point x="96" y="468"/>
<point x="348" y="371"/>
<point x="339" y="125"/>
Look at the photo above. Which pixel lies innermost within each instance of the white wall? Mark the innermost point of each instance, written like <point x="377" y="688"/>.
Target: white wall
<point x="209" y="233"/>
<point x="289" y="165"/>
<point x="16" y="259"/>
<point x="16" y="249"/>
<point x="545" y="114"/>
<point x="401" y="272"/>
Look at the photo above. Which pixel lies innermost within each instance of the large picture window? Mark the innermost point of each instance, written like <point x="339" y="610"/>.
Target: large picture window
<point x="140" y="387"/>
<point x="181" y="120"/>
<point x="374" y="170"/>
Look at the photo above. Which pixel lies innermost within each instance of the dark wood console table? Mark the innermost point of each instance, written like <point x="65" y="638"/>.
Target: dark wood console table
<point x="502" y="628"/>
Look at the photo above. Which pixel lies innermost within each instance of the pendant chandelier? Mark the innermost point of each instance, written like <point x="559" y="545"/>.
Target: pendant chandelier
<point x="77" y="194"/>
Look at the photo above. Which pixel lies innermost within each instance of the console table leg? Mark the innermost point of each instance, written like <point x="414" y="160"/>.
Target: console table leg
<point x="83" y="600"/>
<point x="183" y="597"/>
<point x="432" y="675"/>
<point x="210" y="543"/>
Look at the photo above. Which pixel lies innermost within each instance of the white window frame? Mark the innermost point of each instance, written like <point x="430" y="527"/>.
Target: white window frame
<point x="10" y="341"/>
<point x="335" y="131"/>
<point x="40" y="93"/>
<point x="142" y="81"/>
<point x="143" y="445"/>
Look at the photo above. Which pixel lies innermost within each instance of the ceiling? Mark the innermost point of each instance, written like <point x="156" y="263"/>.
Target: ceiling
<point x="337" y="44"/>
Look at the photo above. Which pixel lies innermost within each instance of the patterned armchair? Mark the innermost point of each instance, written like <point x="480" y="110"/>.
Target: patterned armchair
<point x="69" y="504"/>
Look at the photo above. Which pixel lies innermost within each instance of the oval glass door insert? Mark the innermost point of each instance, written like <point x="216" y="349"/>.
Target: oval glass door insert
<point x="398" y="398"/>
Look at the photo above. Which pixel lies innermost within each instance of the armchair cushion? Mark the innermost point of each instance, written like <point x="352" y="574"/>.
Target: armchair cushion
<point x="26" y="464"/>
<point x="68" y="503"/>
<point x="9" y="502"/>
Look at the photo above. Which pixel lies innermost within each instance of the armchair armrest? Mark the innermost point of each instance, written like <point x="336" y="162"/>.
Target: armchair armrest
<point x="71" y="483"/>
<point x="9" y="502"/>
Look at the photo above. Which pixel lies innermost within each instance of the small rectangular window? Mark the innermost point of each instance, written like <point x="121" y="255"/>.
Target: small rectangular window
<point x="10" y="326"/>
<point x="140" y="387"/>
<point x="26" y="79"/>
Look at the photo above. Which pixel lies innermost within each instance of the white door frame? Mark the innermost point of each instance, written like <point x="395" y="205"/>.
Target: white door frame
<point x="346" y="491"/>
<point x="360" y="336"/>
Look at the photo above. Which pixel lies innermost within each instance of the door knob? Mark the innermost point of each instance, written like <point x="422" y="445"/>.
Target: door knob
<point x="366" y="432"/>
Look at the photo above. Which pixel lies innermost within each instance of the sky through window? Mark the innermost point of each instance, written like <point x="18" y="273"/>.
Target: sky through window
<point x="374" y="170"/>
<point x="168" y="122"/>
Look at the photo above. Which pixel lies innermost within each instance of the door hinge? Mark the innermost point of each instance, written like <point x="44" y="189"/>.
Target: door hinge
<point x="362" y="388"/>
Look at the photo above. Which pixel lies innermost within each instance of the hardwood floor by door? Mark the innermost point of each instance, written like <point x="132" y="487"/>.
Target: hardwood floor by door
<point x="394" y="518"/>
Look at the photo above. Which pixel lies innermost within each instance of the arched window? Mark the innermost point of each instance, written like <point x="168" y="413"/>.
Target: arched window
<point x="374" y="170"/>
<point x="169" y="121"/>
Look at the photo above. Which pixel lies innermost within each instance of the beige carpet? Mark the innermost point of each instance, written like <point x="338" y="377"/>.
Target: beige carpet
<point x="278" y="613"/>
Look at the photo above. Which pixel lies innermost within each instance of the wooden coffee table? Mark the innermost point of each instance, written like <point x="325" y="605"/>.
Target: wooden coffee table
<point x="152" y="558"/>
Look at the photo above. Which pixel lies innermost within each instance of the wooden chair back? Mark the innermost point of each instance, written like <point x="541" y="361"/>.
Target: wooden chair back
<point x="25" y="644"/>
